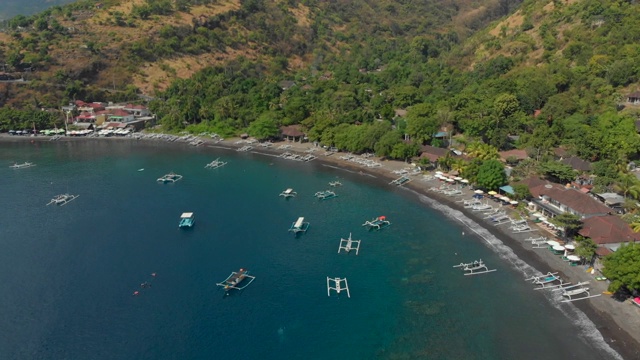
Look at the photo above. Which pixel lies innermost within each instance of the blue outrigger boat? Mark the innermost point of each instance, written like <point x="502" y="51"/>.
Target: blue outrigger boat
<point x="324" y="195"/>
<point x="187" y="220"/>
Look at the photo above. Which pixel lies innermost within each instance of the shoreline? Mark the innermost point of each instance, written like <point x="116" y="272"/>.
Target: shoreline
<point x="616" y="322"/>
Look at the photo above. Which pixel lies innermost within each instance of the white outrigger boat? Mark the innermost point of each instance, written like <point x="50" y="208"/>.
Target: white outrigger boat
<point x="577" y="292"/>
<point x="63" y="199"/>
<point x="233" y="281"/>
<point x="324" y="195"/>
<point x="217" y="163"/>
<point x="474" y="268"/>
<point x="349" y="244"/>
<point x="170" y="177"/>
<point x="337" y="286"/>
<point x="24" y="165"/>
<point x="548" y="281"/>
<point x="288" y="193"/>
<point x="378" y="223"/>
<point x="335" y="183"/>
<point x="299" y="226"/>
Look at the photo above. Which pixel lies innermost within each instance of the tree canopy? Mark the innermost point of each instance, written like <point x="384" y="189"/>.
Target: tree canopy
<point x="622" y="267"/>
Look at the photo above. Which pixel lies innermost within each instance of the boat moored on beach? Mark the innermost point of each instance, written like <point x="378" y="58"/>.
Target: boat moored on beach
<point x="169" y="178"/>
<point x="187" y="220"/>
<point x="63" y="199"/>
<point x="236" y="280"/>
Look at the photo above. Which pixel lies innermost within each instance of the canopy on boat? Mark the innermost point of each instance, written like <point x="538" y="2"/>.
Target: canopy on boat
<point x="492" y="193"/>
<point x="186" y="215"/>
<point x="553" y="243"/>
<point x="457" y="178"/>
<point x="558" y="248"/>
<point x="464" y="181"/>
<point x="513" y="202"/>
<point x="479" y="191"/>
<point x="573" y="258"/>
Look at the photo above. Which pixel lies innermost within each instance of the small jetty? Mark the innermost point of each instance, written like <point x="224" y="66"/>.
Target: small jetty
<point x="63" y="199"/>
<point x="288" y="193"/>
<point x="169" y="178"/>
<point x="24" y="165"/>
<point x="325" y="195"/>
<point x="378" y="223"/>
<point x="217" y="163"/>
<point x="474" y="268"/>
<point x="339" y="285"/>
<point x="299" y="226"/>
<point x="349" y="244"/>
<point x="237" y="280"/>
<point x="187" y="220"/>
<point x="335" y="183"/>
<point x="400" y="181"/>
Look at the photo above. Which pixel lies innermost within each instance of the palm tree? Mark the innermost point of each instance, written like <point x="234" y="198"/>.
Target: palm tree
<point x="628" y="184"/>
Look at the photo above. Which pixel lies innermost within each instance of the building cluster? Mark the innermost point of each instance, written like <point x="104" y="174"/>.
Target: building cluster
<point x="97" y="115"/>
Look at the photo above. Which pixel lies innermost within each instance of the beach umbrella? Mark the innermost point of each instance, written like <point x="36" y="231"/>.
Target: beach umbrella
<point x="479" y="191"/>
<point x="464" y="181"/>
<point x="553" y="243"/>
<point x="573" y="258"/>
<point x="492" y="193"/>
<point x="504" y="198"/>
<point x="537" y="214"/>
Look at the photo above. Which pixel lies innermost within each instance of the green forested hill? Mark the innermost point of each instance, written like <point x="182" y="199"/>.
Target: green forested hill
<point x="341" y="69"/>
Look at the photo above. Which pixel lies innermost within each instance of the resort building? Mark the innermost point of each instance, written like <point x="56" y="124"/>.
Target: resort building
<point x="608" y="231"/>
<point x="554" y="199"/>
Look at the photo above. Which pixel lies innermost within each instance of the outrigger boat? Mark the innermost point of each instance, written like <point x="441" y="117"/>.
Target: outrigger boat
<point x="24" y="165"/>
<point x="299" y="226"/>
<point x="578" y="290"/>
<point x="335" y="183"/>
<point x="187" y="220"/>
<point x="170" y="177"/>
<point x="349" y="244"/>
<point x="215" y="164"/>
<point x="378" y="223"/>
<point x="474" y="268"/>
<point x="337" y="286"/>
<point x="548" y="281"/>
<point x="234" y="280"/>
<point x="324" y="195"/>
<point x="288" y="193"/>
<point x="63" y="199"/>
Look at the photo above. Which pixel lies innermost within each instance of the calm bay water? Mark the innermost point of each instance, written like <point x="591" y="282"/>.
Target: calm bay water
<point x="68" y="273"/>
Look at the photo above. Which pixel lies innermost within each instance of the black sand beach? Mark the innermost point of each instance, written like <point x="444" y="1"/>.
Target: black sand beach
<point x="619" y="323"/>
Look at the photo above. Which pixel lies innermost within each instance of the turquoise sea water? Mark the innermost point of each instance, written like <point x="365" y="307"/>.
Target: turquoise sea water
<point x="68" y="272"/>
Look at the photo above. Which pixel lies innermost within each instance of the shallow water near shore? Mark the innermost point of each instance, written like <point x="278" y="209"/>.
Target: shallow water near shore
<point x="69" y="271"/>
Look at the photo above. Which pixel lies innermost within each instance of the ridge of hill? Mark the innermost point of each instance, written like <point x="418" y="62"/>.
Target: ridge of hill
<point x="89" y="47"/>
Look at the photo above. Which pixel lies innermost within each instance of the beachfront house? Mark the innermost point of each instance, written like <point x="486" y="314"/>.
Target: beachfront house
<point x="609" y="232"/>
<point x="634" y="98"/>
<point x="433" y="153"/>
<point x="292" y="133"/>
<point x="554" y="199"/>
